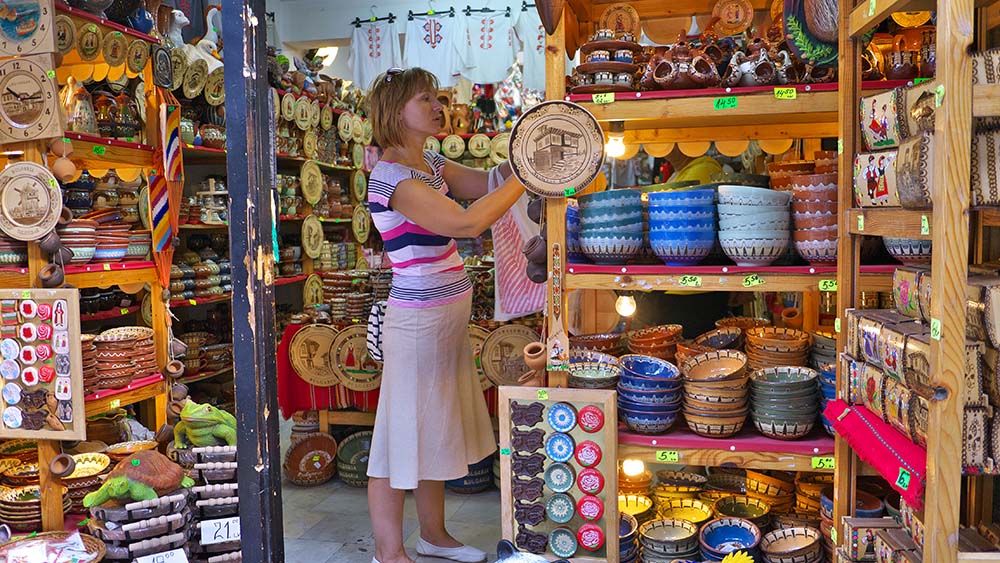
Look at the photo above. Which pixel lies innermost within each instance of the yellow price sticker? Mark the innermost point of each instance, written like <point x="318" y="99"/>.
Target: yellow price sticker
<point x="543" y="395"/>
<point x="115" y="403"/>
<point x="827" y="463"/>
<point x="690" y="281"/>
<point x="840" y="146"/>
<point x="729" y="102"/>
<point x="828" y="285"/>
<point x="861" y="222"/>
<point x="936" y="329"/>
<point x="753" y="280"/>
<point x="604" y="98"/>
<point x="192" y="302"/>
<point x="26" y="294"/>
<point x="107" y="267"/>
<point x="315" y="458"/>
<point x="668" y="456"/>
<point x="833" y="535"/>
<point x="925" y="225"/>
<point x="786" y="93"/>
<point x="124" y="311"/>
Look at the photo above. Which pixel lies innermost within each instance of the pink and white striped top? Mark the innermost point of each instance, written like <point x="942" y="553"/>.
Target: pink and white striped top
<point x="427" y="270"/>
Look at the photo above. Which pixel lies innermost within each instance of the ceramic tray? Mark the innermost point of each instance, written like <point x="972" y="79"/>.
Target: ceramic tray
<point x="501" y="356"/>
<point x="349" y="359"/>
<point x="306" y="350"/>
<point x="218" y="507"/>
<point x="143" y="510"/>
<point x="144" y="529"/>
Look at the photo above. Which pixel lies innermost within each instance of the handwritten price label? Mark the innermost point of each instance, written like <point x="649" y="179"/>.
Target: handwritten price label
<point x="172" y="556"/>
<point x="840" y="146"/>
<point x="220" y="531"/>
<point x="861" y="222"/>
<point x="26" y="294"/>
<point x="569" y="192"/>
<point x="871" y="8"/>
<point x="828" y="285"/>
<point x="925" y="225"/>
<point x="690" y="281"/>
<point x="107" y="267"/>
<point x="836" y="325"/>
<point x="786" y="93"/>
<point x="99" y="150"/>
<point x="543" y="395"/>
<point x="833" y="534"/>
<point x="729" y="102"/>
<point x="115" y="403"/>
<point x="827" y="463"/>
<point x="752" y="280"/>
<point x="936" y="329"/>
<point x="903" y="481"/>
<point x="668" y="456"/>
<point x="504" y="451"/>
<point x="605" y="98"/>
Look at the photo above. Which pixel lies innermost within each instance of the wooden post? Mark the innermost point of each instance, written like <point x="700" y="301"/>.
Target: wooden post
<point x="555" y="208"/>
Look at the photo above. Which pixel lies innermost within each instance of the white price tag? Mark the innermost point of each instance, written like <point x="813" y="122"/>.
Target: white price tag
<point x="172" y="556"/>
<point x="220" y="531"/>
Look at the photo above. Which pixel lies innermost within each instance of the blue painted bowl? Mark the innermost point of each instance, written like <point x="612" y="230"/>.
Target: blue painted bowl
<point x="626" y="405"/>
<point x="683" y="225"/>
<point x="646" y="366"/>
<point x="639" y="383"/>
<point x="726" y="535"/>
<point x="609" y="250"/>
<point x="682" y="198"/>
<point x="650" y="397"/>
<point x="660" y="213"/>
<point x="611" y="227"/>
<point x="648" y="423"/>
<point x="681" y="249"/>
<point x="609" y="197"/>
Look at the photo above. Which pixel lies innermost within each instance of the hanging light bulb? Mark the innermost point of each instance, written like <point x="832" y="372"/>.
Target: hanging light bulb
<point x="625" y="305"/>
<point x="615" y="147"/>
<point x="633" y="467"/>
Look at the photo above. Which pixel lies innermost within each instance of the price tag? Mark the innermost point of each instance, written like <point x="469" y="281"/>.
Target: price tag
<point x="26" y="294"/>
<point x="786" y="93"/>
<point x="871" y="8"/>
<point x="840" y="146"/>
<point x="925" y="225"/>
<point x="192" y="302"/>
<point x="172" y="556"/>
<point x="52" y="182"/>
<point x="729" y="102"/>
<point x="833" y="534"/>
<point x="919" y="80"/>
<point x="124" y="311"/>
<point x="543" y="395"/>
<point x="569" y="192"/>
<point x="828" y="285"/>
<point x="939" y="95"/>
<point x="936" y="329"/>
<point x="504" y="451"/>
<point x="107" y="267"/>
<point x="752" y="280"/>
<point x="836" y="325"/>
<point x="315" y="458"/>
<point x="51" y="74"/>
<point x="826" y="463"/>
<point x="605" y="98"/>
<point x="690" y="281"/>
<point x="99" y="150"/>
<point x="668" y="456"/>
<point x="220" y="531"/>
<point x="903" y="481"/>
<point x="114" y="403"/>
<point x="861" y="222"/>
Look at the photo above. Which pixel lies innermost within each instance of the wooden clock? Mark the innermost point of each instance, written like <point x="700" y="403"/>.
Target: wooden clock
<point x="29" y="105"/>
<point x="26" y="28"/>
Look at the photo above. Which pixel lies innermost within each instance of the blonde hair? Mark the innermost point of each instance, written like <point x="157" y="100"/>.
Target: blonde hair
<point x="388" y="95"/>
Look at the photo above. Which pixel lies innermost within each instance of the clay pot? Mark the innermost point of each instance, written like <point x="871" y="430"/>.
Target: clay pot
<point x="49" y="243"/>
<point x="63" y="256"/>
<point x="536" y="272"/>
<point x="65" y="216"/>
<point x="174" y="368"/>
<point x="792" y="318"/>
<point x="165" y="434"/>
<point x="51" y="275"/>
<point x="62" y="465"/>
<point x="178" y="391"/>
<point x="534" y="355"/>
<point x="535" y="207"/>
<point x="902" y="65"/>
<point x="532" y="379"/>
<point x="534" y="250"/>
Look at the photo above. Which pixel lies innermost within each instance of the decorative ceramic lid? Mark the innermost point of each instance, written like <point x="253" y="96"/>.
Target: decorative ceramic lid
<point x="498" y="148"/>
<point x="503" y="353"/>
<point x="732" y="17"/>
<point x="326" y="117"/>
<point x="590" y="508"/>
<point x="359" y="186"/>
<point x="312" y="459"/>
<point x="361" y="223"/>
<point x="432" y="144"/>
<point x="357" y="128"/>
<point x="590" y="481"/>
<point x="621" y="18"/>
<point x="479" y="145"/>
<point x="30" y="201"/>
<point x="559" y="477"/>
<point x="309" y="353"/>
<point x="560" y="508"/>
<point x="590" y="419"/>
<point x="312" y="290"/>
<point x="312" y="236"/>
<point x="215" y="87"/>
<point x="477" y="337"/>
<point x="349" y="355"/>
<point x="195" y="78"/>
<point x="561" y="417"/>
<point x="563" y="543"/>
<point x="453" y="146"/>
<point x="556" y="146"/>
<point x="311" y="182"/>
<point x="559" y="447"/>
<point x="588" y="454"/>
<point x="345" y="126"/>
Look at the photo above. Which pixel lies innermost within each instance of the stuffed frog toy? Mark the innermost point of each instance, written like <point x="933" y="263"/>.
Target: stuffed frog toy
<point x="203" y="425"/>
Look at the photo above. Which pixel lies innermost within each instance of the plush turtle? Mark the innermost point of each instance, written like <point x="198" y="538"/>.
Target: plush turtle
<point x="144" y="475"/>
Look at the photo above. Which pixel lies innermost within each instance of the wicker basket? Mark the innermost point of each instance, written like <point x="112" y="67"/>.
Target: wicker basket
<point x="92" y="544"/>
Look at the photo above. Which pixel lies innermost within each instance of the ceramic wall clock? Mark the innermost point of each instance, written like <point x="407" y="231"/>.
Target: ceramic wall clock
<point x="502" y="357"/>
<point x="314" y="114"/>
<point x="136" y="56"/>
<point x="359" y="186"/>
<point x="26" y="28"/>
<point x="215" y="88"/>
<point x="326" y="118"/>
<point x="30" y="201"/>
<point x="309" y="354"/>
<point x="732" y="17"/>
<point x="89" y="40"/>
<point x="479" y="145"/>
<point x="309" y="143"/>
<point x="621" y="18"/>
<point x="556" y="146"/>
<point x="432" y="144"/>
<point x="311" y="181"/>
<point x="303" y="112"/>
<point x="349" y="356"/>
<point x="477" y="336"/>
<point x="163" y="66"/>
<point x="345" y="127"/>
<point x="368" y="134"/>
<point x="29" y="107"/>
<point x="195" y="78"/>
<point x="358" y="155"/>
<point x="312" y="291"/>
<point x="114" y="48"/>
<point x="498" y="148"/>
<point x="361" y="223"/>
<point x="453" y="146"/>
<point x="357" y="128"/>
<point x="312" y="236"/>
<point x="178" y="68"/>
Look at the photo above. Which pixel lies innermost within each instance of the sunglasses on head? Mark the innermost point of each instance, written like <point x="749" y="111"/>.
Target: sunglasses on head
<point x="391" y="73"/>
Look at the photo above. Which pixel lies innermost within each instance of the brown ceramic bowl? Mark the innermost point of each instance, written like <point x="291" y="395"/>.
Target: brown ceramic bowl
<point x="815" y="206"/>
<point x="715" y="366"/>
<point x="778" y="339"/>
<point x="715" y="395"/>
<point x="744" y="323"/>
<point x="814" y="181"/>
<point x="655" y="335"/>
<point x="814" y="234"/>
<point x="814" y="221"/>
<point x="715" y="427"/>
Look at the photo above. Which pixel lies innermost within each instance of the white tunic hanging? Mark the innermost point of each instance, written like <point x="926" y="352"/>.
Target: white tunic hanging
<point x="374" y="49"/>
<point x="436" y="44"/>
<point x="490" y="44"/>
<point x="531" y="34"/>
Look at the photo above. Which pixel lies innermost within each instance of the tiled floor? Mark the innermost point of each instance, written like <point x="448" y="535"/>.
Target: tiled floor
<point x="330" y="523"/>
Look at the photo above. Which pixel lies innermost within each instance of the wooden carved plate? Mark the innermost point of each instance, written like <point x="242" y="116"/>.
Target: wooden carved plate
<point x="312" y="236"/>
<point x="351" y="362"/>
<point x="502" y="356"/>
<point x="309" y="143"/>
<point x="311" y="460"/>
<point x="432" y="144"/>
<point x="361" y="223"/>
<point x="357" y="128"/>
<point x="195" y="78"/>
<point x="179" y="67"/>
<point x="621" y="18"/>
<point x="498" y="148"/>
<point x="479" y="145"/>
<point x="358" y="155"/>
<point x="453" y="146"/>
<point x="326" y="118"/>
<point x="477" y="337"/>
<point x="359" y="186"/>
<point x="115" y="48"/>
<point x="309" y="353"/>
<point x="215" y="87"/>
<point x="555" y="146"/>
<point x="303" y="113"/>
<point x="288" y="107"/>
<point x="311" y="180"/>
<point x="345" y="129"/>
<point x="30" y="201"/>
<point x="137" y="56"/>
<point x="89" y="39"/>
<point x="732" y="17"/>
<point x="314" y="112"/>
<point x="312" y="290"/>
<point x="65" y="33"/>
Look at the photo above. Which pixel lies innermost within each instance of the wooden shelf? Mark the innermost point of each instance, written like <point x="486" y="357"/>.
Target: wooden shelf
<point x="890" y="222"/>
<point x="748" y="449"/>
<point x="79" y="15"/>
<point x="348" y="418"/>
<point x="98" y="152"/>
<point x="326" y="166"/>
<point x="287" y="280"/>
<point x="14" y="276"/>
<point x="202" y="227"/>
<point x="105" y="275"/>
<point x="175" y="303"/>
<point x="137" y="391"/>
<point x="203" y="375"/>
<point x="717" y="278"/>
<point x="115" y="313"/>
<point x="203" y="155"/>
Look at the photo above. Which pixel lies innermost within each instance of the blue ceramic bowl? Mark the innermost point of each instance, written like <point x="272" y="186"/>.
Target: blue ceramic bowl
<point x="632" y="406"/>
<point x="616" y="249"/>
<point x="725" y="535"/>
<point x="650" y="397"/>
<point x="596" y="227"/>
<point x="681" y="252"/>
<point x="669" y="236"/>
<point x="682" y="198"/>
<point x="639" y="383"/>
<point x="646" y="366"/>
<point x="682" y="211"/>
<point x="648" y="423"/>
<point x="609" y="197"/>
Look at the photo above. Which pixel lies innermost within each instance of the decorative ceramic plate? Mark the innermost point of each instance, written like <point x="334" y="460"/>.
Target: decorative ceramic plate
<point x="453" y="146"/>
<point x="477" y="337"/>
<point x="309" y="142"/>
<point x="309" y="353"/>
<point x="311" y="181"/>
<point x="345" y="127"/>
<point x="215" y="87"/>
<point x="502" y="358"/>
<point x="314" y="115"/>
<point x="803" y="41"/>
<point x="590" y="481"/>
<point x="479" y="145"/>
<point x="115" y="48"/>
<point x="432" y="144"/>
<point x="163" y="66"/>
<point x="326" y="117"/>
<point x="288" y="107"/>
<point x="498" y="148"/>
<point x="30" y="201"/>
<point x="559" y="447"/>
<point x="303" y="113"/>
<point x="560" y="508"/>
<point x="911" y="19"/>
<point x="311" y="459"/>
<point x="556" y="146"/>
<point x="121" y="450"/>
<point x="559" y="477"/>
<point x="561" y="417"/>
<point x="351" y="363"/>
<point x="65" y="33"/>
<point x="562" y="542"/>
<point x="146" y="309"/>
<point x="137" y="56"/>
<point x="367" y="132"/>
<point x="357" y="128"/>
<point x="8" y="463"/>
<point x="195" y="78"/>
<point x="588" y="454"/>
<point x="89" y="39"/>
<point x="362" y="263"/>
<point x="358" y="155"/>
<point x="312" y="290"/>
<point x="88" y="465"/>
<point x="359" y="186"/>
<point x="179" y="67"/>
<point x="732" y="17"/>
<point x="312" y="236"/>
<point x="361" y="223"/>
<point x="590" y="508"/>
<point x="124" y="334"/>
<point x="621" y="18"/>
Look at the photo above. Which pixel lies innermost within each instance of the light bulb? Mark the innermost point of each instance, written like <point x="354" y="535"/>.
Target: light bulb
<point x="625" y="305"/>
<point x="633" y="467"/>
<point x="615" y="147"/>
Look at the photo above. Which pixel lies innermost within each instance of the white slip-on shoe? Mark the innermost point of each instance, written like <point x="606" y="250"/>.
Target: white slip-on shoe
<point x="462" y="554"/>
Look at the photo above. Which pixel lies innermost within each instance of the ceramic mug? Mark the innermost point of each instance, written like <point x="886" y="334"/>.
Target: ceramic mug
<point x="534" y="250"/>
<point x="534" y="355"/>
<point x="51" y="275"/>
<point x="62" y="465"/>
<point x="49" y="242"/>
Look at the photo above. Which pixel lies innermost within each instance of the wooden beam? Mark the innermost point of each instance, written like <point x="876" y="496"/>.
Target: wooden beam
<point x="734" y="133"/>
<point x="986" y="100"/>
<point x="581" y="11"/>
<point x="894" y="222"/>
<point x="870" y="13"/>
<point x="653" y="9"/>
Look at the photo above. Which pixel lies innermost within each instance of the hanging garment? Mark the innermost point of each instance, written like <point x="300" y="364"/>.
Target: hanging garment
<point x="374" y="49"/>
<point x="531" y="35"/>
<point x="436" y="44"/>
<point x="490" y="47"/>
<point x="514" y="294"/>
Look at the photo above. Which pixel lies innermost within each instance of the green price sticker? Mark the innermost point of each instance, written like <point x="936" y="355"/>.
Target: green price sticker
<point x="115" y="403"/>
<point x="925" y="225"/>
<point x="605" y="98"/>
<point x="936" y="329"/>
<point x="66" y="140"/>
<point x="903" y="481"/>
<point x="836" y="325"/>
<point x="861" y="222"/>
<point x="192" y="302"/>
<point x="753" y="280"/>
<point x="569" y="192"/>
<point x="690" y="281"/>
<point x="99" y="150"/>
<point x="124" y="311"/>
<point x="504" y="451"/>
<point x="729" y="102"/>
<point x="135" y="462"/>
<point x="107" y="267"/>
<point x="840" y="146"/>
<point x="668" y="456"/>
<point x="51" y="74"/>
<point x="53" y="183"/>
<point x="828" y="285"/>
<point x="786" y="93"/>
<point x="920" y="80"/>
<point x="939" y="95"/>
<point x="117" y="34"/>
<point x="827" y="463"/>
<point x="543" y="395"/>
<point x="26" y="294"/>
<point x="871" y="8"/>
<point x="315" y="458"/>
<point x="833" y="535"/>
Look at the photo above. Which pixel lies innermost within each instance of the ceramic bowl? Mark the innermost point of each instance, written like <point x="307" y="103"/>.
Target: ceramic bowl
<point x="610" y="197"/>
<point x="784" y="378"/>
<point x="667" y="213"/>
<point x="611" y="249"/>
<point x="668" y="536"/>
<point x="748" y="195"/>
<point x="792" y="545"/>
<point x="817" y="252"/>
<point x="715" y="366"/>
<point x="770" y="221"/>
<point x="711" y="426"/>
<point x="649" y="423"/>
<point x="721" y="339"/>
<point x="689" y="510"/>
<point x="758" y="180"/>
<point x="683" y="225"/>
<point x="686" y="251"/>
<point x="655" y="335"/>
<point x="754" y="248"/>
<point x="741" y="506"/>
<point x="724" y="535"/>
<point x="679" y="185"/>
<point x="800" y="206"/>
<point x="670" y="397"/>
<point x="737" y="210"/>
<point x="636" y="383"/>
<point x="681" y="198"/>
<point x="648" y="368"/>
<point x="909" y="251"/>
<point x="778" y="339"/>
<point x="783" y="429"/>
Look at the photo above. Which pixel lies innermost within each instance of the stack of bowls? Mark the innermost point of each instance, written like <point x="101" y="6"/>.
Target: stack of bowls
<point x="649" y="394"/>
<point x="139" y="245"/>
<point x="639" y="507"/>
<point x="824" y="349"/>
<point x="634" y="484"/>
<point x="775" y="347"/>
<point x="716" y="393"/>
<point x="687" y="349"/>
<point x="611" y="229"/>
<point x="723" y="536"/>
<point x="677" y="485"/>
<point x="782" y="173"/>
<point x="608" y="343"/>
<point x="798" y="545"/>
<point x="119" y="352"/>
<point x="656" y="341"/>
<point x="667" y="540"/>
<point x="909" y="251"/>
<point x="785" y="401"/>
<point x="681" y="225"/>
<point x="828" y="392"/>
<point x="809" y="491"/>
<point x="80" y="236"/>
<point x="573" y="250"/>
<point x="743" y="323"/>
<point x="742" y="506"/>
<point x="593" y="370"/>
<point x="13" y="252"/>
<point x="91" y="380"/>
<point x="753" y="224"/>
<point x="777" y="490"/>
<point x="728" y="338"/>
<point x="687" y="509"/>
<point x="814" y="210"/>
<point x="112" y="242"/>
<point x="628" y="539"/>
<point x="21" y="507"/>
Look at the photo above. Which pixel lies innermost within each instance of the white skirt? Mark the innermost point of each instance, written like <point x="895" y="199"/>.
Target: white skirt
<point x="431" y="422"/>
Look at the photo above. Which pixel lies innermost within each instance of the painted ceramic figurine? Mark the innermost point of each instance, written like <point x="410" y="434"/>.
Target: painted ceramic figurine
<point x="759" y="68"/>
<point x="684" y="67"/>
<point x="203" y="425"/>
<point x="142" y="476"/>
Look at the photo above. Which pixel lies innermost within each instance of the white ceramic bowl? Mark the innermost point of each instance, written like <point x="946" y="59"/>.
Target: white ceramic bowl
<point x="748" y="195"/>
<point x="767" y="221"/>
<point x="730" y="209"/>
<point x="754" y="248"/>
<point x="909" y="250"/>
<point x="817" y="252"/>
<point x="611" y="249"/>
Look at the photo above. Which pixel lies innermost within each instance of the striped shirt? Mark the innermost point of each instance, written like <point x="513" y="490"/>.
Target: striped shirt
<point x="427" y="270"/>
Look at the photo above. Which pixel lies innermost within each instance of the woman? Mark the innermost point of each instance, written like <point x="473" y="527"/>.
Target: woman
<point x="431" y="421"/>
